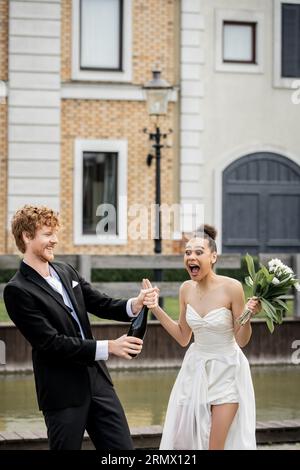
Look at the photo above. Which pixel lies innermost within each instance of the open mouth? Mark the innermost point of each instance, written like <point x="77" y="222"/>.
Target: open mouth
<point x="194" y="269"/>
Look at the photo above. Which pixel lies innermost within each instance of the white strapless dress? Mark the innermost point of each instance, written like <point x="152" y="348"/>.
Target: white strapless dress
<point x="214" y="371"/>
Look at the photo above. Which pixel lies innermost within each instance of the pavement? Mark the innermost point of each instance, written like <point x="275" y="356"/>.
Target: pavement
<point x="292" y="446"/>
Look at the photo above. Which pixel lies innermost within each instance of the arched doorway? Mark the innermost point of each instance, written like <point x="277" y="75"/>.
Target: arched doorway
<point x="261" y="205"/>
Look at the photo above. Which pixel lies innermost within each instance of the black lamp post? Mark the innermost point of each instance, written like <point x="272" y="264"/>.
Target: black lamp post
<point x="157" y="95"/>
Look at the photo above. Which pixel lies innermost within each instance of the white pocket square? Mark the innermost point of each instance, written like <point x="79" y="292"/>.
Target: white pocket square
<point x="74" y="284"/>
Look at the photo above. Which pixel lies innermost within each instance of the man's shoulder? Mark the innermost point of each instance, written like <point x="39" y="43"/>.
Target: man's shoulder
<point x="16" y="279"/>
<point x="16" y="283"/>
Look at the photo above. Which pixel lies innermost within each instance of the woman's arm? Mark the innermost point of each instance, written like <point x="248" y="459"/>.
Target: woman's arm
<point x="242" y="333"/>
<point x="180" y="330"/>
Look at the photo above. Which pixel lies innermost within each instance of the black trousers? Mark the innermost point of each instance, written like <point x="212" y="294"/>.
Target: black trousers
<point x="101" y="415"/>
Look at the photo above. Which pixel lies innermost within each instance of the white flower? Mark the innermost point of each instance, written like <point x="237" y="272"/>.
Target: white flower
<point x="278" y="271"/>
<point x="297" y="286"/>
<point x="275" y="265"/>
<point x="275" y="281"/>
<point x="276" y="262"/>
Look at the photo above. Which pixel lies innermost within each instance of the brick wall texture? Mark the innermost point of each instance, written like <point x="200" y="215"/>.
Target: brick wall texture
<point x="154" y="32"/>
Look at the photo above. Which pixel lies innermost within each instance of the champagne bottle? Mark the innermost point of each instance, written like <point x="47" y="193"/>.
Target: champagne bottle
<point x="139" y="325"/>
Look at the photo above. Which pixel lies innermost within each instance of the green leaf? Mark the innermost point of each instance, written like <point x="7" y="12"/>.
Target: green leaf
<point x="264" y="286"/>
<point x="250" y="265"/>
<point x="268" y="308"/>
<point x="280" y="302"/>
<point x="285" y="280"/>
<point x="249" y="282"/>
<point x="280" y="317"/>
<point x="270" y="324"/>
<point x="258" y="290"/>
<point x="276" y="291"/>
<point x="269" y="276"/>
<point x="257" y="283"/>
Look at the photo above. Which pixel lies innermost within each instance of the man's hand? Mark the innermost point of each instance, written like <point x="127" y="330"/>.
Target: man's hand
<point x="139" y="302"/>
<point x="124" y="345"/>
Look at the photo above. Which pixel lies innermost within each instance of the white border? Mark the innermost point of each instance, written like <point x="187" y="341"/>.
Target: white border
<point x="225" y="161"/>
<point x="104" y="91"/>
<point x="119" y="146"/>
<point x="3" y="90"/>
<point x="239" y="15"/>
<point x="279" y="81"/>
<point x="97" y="75"/>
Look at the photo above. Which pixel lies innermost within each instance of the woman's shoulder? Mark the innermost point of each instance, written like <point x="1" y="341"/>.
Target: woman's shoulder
<point x="230" y="282"/>
<point x="186" y="285"/>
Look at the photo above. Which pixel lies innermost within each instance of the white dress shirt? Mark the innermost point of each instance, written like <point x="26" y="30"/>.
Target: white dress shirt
<point x="56" y="284"/>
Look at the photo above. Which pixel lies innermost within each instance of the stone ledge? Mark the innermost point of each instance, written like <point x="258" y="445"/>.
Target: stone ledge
<point x="286" y="431"/>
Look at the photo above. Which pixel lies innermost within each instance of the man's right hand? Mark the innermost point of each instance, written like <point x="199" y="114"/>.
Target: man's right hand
<point x="124" y="346"/>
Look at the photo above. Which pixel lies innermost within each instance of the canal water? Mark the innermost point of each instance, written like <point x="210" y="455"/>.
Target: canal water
<point x="144" y="395"/>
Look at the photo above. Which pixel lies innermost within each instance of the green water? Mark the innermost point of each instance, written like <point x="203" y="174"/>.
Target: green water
<point x="144" y="394"/>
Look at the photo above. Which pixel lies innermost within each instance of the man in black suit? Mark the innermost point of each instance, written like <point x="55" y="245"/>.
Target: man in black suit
<point x="49" y="301"/>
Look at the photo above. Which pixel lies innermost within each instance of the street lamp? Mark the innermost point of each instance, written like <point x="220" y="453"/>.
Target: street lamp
<point x="157" y="93"/>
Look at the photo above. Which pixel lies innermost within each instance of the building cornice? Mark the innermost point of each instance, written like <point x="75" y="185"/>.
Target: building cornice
<point x="106" y="91"/>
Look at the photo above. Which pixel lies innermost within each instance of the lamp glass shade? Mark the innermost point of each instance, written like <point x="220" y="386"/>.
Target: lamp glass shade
<point x="157" y="101"/>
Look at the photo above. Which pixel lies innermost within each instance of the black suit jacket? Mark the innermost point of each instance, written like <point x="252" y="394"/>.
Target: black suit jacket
<point x="60" y="356"/>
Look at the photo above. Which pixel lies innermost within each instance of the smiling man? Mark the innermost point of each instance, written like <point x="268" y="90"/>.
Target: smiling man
<point x="48" y="301"/>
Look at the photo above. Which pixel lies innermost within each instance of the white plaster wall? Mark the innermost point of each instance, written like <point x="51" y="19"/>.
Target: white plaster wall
<point x="241" y="112"/>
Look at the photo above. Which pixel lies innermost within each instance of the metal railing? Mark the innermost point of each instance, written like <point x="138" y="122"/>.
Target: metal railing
<point x="85" y="263"/>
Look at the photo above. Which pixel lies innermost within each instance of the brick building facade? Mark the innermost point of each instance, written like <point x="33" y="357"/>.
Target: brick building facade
<point x="51" y="107"/>
<point x="235" y="119"/>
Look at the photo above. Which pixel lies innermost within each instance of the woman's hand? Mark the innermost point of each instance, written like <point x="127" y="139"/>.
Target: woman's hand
<point x="146" y="293"/>
<point x="254" y="305"/>
<point x="151" y="295"/>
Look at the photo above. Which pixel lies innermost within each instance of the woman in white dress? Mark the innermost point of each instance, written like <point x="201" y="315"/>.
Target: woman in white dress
<point x="212" y="404"/>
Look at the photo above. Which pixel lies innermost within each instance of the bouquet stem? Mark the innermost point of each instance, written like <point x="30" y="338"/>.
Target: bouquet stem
<point x="246" y="315"/>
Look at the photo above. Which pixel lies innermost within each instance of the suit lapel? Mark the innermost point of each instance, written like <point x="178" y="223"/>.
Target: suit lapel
<point x="67" y="283"/>
<point x="33" y="276"/>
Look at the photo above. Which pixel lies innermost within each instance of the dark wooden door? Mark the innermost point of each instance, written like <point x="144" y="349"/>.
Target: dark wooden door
<point x="261" y="205"/>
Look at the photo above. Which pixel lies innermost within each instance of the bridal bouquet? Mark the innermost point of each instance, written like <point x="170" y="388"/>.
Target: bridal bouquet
<point x="268" y="285"/>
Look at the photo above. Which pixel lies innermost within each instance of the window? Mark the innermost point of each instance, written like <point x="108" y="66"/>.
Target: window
<point x="100" y="192"/>
<point x="290" y="40"/>
<point x="101" y="40"/>
<point x="286" y="42"/>
<point x="99" y="186"/>
<point x="239" y="41"/>
<point x="101" y="34"/>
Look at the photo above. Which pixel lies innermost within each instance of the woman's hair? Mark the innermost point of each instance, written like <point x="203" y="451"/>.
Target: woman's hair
<point x="30" y="218"/>
<point x="209" y="233"/>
